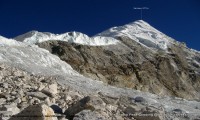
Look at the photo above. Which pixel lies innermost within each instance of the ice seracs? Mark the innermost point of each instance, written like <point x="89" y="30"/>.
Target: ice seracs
<point x="34" y="37"/>
<point x="8" y="42"/>
<point x="141" y="32"/>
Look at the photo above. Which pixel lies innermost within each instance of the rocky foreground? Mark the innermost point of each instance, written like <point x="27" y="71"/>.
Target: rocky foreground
<point x="40" y="98"/>
<point x="26" y="96"/>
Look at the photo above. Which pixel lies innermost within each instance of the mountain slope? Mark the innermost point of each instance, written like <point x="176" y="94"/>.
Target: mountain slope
<point x="170" y="70"/>
<point x="29" y="66"/>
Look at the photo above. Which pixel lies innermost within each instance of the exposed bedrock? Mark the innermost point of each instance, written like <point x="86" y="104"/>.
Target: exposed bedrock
<point x="129" y="64"/>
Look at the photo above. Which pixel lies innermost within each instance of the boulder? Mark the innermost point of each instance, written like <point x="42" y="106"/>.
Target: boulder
<point x="56" y="109"/>
<point x="79" y="106"/>
<point x="35" y="112"/>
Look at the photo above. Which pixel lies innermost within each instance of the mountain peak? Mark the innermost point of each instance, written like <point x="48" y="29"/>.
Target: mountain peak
<point x="141" y="32"/>
<point x="141" y="22"/>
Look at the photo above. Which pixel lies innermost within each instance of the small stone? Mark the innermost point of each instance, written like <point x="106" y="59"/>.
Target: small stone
<point x="47" y="101"/>
<point x="38" y="95"/>
<point x="41" y="86"/>
<point x="13" y="108"/>
<point x="23" y="105"/>
<point x="5" y="85"/>
<point x="111" y="108"/>
<point x="2" y="100"/>
<point x="68" y="98"/>
<point x="139" y="99"/>
<point x="13" y="93"/>
<point x="18" y="100"/>
<point x="50" y="90"/>
<point x="21" y="93"/>
<point x="30" y="97"/>
<point x="2" y="95"/>
<point x="53" y="100"/>
<point x="24" y="99"/>
<point x="177" y="111"/>
<point x="34" y="101"/>
<point x="13" y="97"/>
<point x="27" y="86"/>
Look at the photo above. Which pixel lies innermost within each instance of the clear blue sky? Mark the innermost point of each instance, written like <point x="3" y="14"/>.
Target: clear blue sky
<point x="179" y="19"/>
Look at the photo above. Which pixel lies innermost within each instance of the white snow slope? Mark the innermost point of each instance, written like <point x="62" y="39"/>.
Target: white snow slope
<point x="5" y="42"/>
<point x="34" y="37"/>
<point x="141" y="32"/>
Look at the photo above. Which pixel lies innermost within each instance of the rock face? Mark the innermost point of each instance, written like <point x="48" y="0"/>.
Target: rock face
<point x="131" y="65"/>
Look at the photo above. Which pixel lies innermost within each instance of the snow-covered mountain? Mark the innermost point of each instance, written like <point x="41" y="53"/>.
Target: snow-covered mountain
<point x="141" y="32"/>
<point x="122" y="57"/>
<point x="34" y="37"/>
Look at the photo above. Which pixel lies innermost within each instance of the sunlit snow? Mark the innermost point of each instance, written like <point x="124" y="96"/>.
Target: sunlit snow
<point x="34" y="37"/>
<point x="141" y="32"/>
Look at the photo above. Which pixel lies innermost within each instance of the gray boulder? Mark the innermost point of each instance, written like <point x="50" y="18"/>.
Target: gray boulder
<point x="35" y="112"/>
